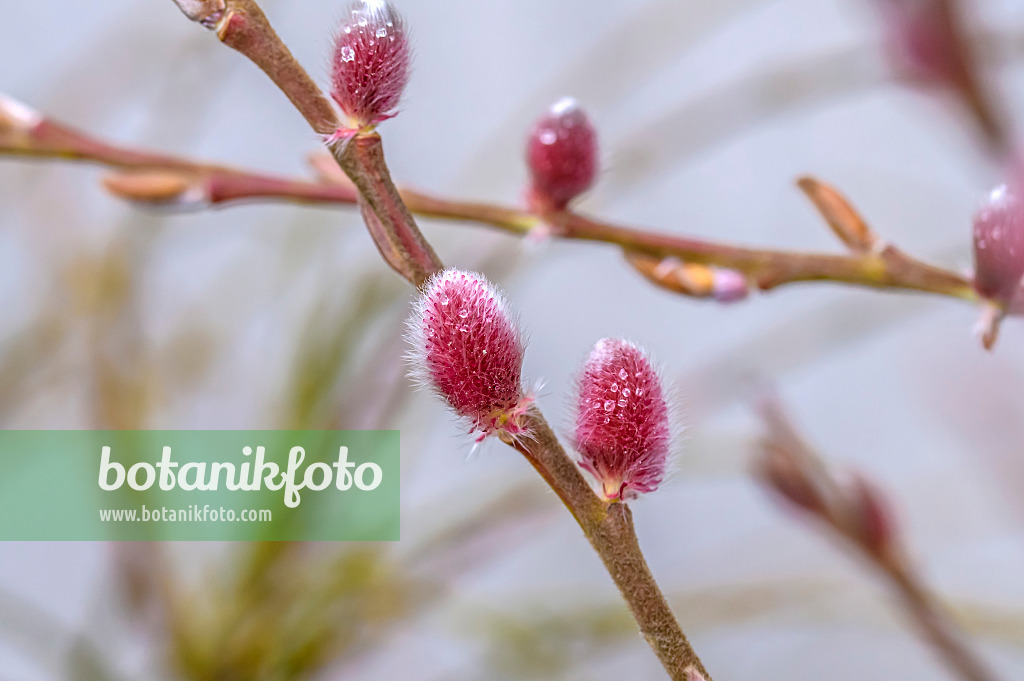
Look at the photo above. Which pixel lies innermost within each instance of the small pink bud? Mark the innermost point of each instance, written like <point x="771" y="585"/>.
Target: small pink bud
<point x="922" y="41"/>
<point x="692" y="279"/>
<point x="561" y="153"/>
<point x="999" y="246"/>
<point x="370" y="64"/>
<point x="622" y="420"/>
<point x="729" y="286"/>
<point x="469" y="349"/>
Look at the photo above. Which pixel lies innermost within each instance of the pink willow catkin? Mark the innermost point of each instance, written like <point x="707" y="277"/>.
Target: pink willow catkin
<point x="370" y="64"/>
<point x="562" y="155"/>
<point x="622" y="432"/>
<point x="468" y="348"/>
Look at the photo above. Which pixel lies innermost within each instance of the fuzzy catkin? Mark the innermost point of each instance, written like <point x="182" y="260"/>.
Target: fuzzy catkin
<point x="468" y="348"/>
<point x="370" y="63"/>
<point x="623" y="434"/>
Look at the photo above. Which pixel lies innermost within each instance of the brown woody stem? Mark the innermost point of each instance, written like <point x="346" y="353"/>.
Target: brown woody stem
<point x="609" y="527"/>
<point x="768" y="268"/>
<point x="393" y="228"/>
<point x="884" y="268"/>
<point x="245" y="28"/>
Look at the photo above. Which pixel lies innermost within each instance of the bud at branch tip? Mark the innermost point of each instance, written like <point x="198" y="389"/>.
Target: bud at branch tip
<point x="369" y="66"/>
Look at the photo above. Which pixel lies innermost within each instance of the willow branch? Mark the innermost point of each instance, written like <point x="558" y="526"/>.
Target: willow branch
<point x="767" y="269"/>
<point x="609" y="528"/>
<point x="153" y="177"/>
<point x="389" y="220"/>
<point x="967" y="79"/>
<point x="244" y="27"/>
<point x="166" y="180"/>
<point x="936" y="625"/>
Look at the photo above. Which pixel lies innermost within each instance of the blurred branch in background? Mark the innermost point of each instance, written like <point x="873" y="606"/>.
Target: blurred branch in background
<point x="929" y="45"/>
<point x="858" y="512"/>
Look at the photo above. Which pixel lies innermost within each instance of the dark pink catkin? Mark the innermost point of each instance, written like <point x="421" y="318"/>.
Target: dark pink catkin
<point x="370" y="63"/>
<point x="561" y="153"/>
<point x="999" y="246"/>
<point x="468" y="348"/>
<point x="623" y="434"/>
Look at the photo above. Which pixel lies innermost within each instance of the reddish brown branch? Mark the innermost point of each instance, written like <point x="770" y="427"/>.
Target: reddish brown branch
<point x="882" y="266"/>
<point x="388" y="218"/>
<point x="967" y="78"/>
<point x="244" y="27"/>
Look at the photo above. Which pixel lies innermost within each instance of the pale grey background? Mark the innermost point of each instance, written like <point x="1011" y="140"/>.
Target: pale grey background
<point x="894" y="384"/>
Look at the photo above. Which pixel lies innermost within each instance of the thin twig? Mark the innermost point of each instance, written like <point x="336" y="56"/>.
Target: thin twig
<point x="172" y="181"/>
<point x="387" y="217"/>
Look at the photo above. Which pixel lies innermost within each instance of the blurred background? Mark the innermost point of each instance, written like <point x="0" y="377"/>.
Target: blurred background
<point x="276" y="316"/>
